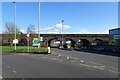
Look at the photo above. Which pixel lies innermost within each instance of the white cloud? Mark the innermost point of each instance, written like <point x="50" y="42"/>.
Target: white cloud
<point x="85" y="31"/>
<point x="56" y="29"/>
<point x="59" y="26"/>
<point x="50" y="32"/>
<point x="62" y="0"/>
<point x="49" y="29"/>
<point x="23" y="31"/>
<point x="113" y="27"/>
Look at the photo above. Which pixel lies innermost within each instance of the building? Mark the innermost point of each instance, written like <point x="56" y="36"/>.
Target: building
<point x="114" y="36"/>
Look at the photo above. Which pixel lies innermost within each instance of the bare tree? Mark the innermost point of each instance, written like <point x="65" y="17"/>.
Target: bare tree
<point x="31" y="29"/>
<point x="10" y="28"/>
<point x="9" y="31"/>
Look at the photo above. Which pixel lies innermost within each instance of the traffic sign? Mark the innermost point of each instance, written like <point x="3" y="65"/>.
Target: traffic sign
<point x="41" y="38"/>
<point x="15" y="41"/>
<point x="35" y="38"/>
<point x="116" y="36"/>
<point x="27" y="38"/>
<point x="28" y="35"/>
<point x="36" y="41"/>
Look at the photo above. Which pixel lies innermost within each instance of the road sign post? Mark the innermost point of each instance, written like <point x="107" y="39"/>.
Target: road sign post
<point x="28" y="39"/>
<point x="36" y="42"/>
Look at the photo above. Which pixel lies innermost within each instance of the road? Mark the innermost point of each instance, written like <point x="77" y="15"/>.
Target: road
<point x="59" y="64"/>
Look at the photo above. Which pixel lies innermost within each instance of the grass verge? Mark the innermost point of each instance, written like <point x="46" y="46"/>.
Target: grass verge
<point x="22" y="49"/>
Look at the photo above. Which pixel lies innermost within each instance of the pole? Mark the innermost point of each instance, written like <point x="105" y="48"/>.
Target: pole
<point x="15" y="21"/>
<point x="62" y="33"/>
<point x="38" y="19"/>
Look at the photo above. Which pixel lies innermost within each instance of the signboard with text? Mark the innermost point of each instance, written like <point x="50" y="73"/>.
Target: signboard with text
<point x="15" y="41"/>
<point x="36" y="42"/>
<point x="116" y="36"/>
<point x="41" y="38"/>
<point x="28" y="37"/>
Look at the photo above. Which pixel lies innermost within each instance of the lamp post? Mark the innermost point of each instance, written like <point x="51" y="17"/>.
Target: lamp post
<point x="39" y="19"/>
<point x="15" y="20"/>
<point x="62" y="33"/>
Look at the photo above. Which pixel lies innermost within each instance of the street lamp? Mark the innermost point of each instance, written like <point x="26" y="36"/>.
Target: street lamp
<point x="62" y="32"/>
<point x="15" y="20"/>
<point x="39" y="19"/>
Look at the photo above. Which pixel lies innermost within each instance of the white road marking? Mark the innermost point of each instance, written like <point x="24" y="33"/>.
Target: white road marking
<point x="61" y="60"/>
<point x="8" y="66"/>
<point x="95" y="63"/>
<point x="81" y="61"/>
<point x="92" y="66"/>
<point x="100" y="67"/>
<point x="113" y="71"/>
<point x="113" y="67"/>
<point x="14" y="71"/>
<point x="26" y="54"/>
<point x="59" y="55"/>
<point x="1" y="77"/>
<point x="54" y="58"/>
<point x="54" y="52"/>
<point x="103" y="66"/>
<point x="74" y="58"/>
<point x="67" y="57"/>
<point x="43" y="57"/>
<point x="74" y="61"/>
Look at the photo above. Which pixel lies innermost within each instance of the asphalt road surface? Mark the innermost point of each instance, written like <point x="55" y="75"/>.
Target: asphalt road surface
<point x="59" y="64"/>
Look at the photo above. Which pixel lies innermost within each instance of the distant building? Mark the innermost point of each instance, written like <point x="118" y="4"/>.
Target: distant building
<point x="114" y="36"/>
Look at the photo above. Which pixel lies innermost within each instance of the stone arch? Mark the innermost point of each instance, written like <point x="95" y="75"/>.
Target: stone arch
<point x="97" y="40"/>
<point x="49" y="41"/>
<point x="72" y="42"/>
<point x="85" y="42"/>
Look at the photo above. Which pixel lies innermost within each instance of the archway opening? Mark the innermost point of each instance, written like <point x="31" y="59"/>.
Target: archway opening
<point x="72" y="42"/>
<point x="54" y="42"/>
<point x="97" y="41"/>
<point x="83" y="43"/>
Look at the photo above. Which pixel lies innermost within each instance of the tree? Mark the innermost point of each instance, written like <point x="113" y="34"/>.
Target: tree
<point x="10" y="29"/>
<point x="31" y="29"/>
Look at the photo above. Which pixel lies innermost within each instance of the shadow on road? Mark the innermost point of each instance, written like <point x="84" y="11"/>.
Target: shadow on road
<point x="41" y="53"/>
<point x="101" y="52"/>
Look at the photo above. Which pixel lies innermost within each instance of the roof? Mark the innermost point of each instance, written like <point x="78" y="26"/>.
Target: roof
<point x="115" y="29"/>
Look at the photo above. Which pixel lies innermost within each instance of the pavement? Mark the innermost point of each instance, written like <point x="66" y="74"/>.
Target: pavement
<point x="59" y="64"/>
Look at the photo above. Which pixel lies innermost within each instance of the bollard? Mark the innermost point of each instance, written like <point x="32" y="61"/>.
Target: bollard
<point x="49" y="50"/>
<point x="68" y="46"/>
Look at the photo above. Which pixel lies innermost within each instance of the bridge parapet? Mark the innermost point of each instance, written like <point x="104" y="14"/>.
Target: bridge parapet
<point x="47" y="37"/>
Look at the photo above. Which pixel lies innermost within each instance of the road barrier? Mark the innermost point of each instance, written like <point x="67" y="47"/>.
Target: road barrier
<point x="49" y="50"/>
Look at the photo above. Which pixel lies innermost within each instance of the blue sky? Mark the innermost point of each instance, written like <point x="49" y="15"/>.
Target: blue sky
<point x="79" y="17"/>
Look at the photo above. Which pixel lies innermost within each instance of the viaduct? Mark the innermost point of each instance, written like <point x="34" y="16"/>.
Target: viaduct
<point x="85" y="38"/>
